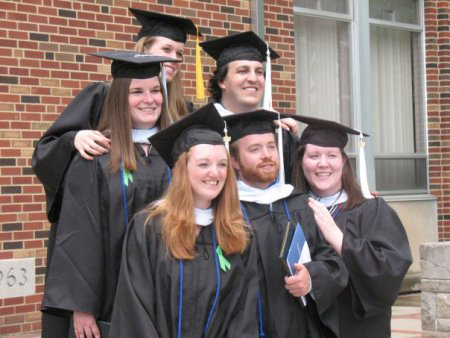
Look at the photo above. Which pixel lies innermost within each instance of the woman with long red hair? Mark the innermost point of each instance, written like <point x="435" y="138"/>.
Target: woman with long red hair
<point x="187" y="266"/>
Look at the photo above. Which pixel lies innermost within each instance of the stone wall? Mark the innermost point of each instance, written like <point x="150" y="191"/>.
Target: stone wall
<point x="435" y="267"/>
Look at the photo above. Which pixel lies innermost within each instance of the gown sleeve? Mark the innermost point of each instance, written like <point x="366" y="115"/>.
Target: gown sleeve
<point x="134" y="306"/>
<point x="75" y="276"/>
<point x="55" y="149"/>
<point x="245" y="320"/>
<point x="290" y="145"/>
<point x="376" y="252"/>
<point x="329" y="276"/>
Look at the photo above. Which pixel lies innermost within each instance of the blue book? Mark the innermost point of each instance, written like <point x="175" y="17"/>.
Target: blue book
<point x="294" y="249"/>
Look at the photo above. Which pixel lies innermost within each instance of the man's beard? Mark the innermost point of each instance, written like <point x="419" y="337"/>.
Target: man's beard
<point x="255" y="174"/>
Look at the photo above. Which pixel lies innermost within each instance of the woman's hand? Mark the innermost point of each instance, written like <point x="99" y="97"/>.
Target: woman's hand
<point x="91" y="142"/>
<point x="289" y="124"/>
<point x="299" y="284"/>
<point x="330" y="231"/>
<point x="85" y="325"/>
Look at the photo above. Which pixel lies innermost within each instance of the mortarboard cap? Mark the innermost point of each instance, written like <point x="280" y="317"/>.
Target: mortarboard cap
<point x="325" y="133"/>
<point x="242" y="46"/>
<point x="128" y="64"/>
<point x="204" y="126"/>
<point x="254" y="122"/>
<point x="169" y="26"/>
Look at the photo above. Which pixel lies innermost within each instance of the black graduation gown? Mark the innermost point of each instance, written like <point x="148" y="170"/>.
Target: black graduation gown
<point x="282" y="314"/>
<point x="290" y="145"/>
<point x="376" y="251"/>
<point x="147" y="298"/>
<point x="84" y="268"/>
<point x="55" y="149"/>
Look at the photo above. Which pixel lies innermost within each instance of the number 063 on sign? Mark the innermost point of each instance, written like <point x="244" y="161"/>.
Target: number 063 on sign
<point x="17" y="277"/>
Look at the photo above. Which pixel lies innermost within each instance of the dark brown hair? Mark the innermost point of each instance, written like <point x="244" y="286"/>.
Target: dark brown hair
<point x="349" y="182"/>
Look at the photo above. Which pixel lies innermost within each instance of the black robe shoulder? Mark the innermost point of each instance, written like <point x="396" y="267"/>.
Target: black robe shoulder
<point x="376" y="252"/>
<point x="55" y="149"/>
<point x="85" y="264"/>
<point x="282" y="313"/>
<point x="148" y="293"/>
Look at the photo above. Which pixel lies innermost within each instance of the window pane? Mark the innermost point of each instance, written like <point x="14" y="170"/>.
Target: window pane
<point x="397" y="107"/>
<point x="402" y="11"/>
<point x="407" y="175"/>
<point x="323" y="69"/>
<point x="335" y="6"/>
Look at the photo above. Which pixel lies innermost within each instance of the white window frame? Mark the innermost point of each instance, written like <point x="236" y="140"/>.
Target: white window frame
<point x="360" y="23"/>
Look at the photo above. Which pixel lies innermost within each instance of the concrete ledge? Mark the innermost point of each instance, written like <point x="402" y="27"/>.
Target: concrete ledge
<point x="435" y="283"/>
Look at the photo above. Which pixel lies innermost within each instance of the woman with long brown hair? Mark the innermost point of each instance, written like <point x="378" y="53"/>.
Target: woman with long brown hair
<point x="101" y="195"/>
<point x="366" y="233"/>
<point x="187" y="267"/>
<point x="75" y="130"/>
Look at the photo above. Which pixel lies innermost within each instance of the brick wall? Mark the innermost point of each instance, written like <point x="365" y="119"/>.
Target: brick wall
<point x="43" y="64"/>
<point x="437" y="54"/>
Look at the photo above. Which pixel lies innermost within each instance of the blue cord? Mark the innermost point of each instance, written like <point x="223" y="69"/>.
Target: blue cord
<point x="216" y="297"/>
<point x="124" y="193"/>
<point x="286" y="210"/>
<point x="180" y="300"/>
<point x="169" y="174"/>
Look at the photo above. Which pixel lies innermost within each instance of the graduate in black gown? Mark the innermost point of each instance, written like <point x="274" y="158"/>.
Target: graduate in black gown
<point x="101" y="195"/>
<point x="75" y="129"/>
<point x="240" y="81"/>
<point x="188" y="268"/>
<point x="365" y="232"/>
<point x="269" y="205"/>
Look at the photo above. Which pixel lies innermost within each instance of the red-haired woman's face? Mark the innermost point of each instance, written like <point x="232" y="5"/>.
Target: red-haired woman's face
<point x="207" y="172"/>
<point x="322" y="167"/>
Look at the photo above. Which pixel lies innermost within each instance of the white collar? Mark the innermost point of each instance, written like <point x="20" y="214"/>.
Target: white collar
<point x="329" y="201"/>
<point x="269" y="195"/>
<point x="142" y="135"/>
<point x="204" y="217"/>
<point x="222" y="110"/>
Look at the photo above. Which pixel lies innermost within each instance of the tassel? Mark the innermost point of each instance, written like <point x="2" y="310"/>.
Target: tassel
<point x="362" y="169"/>
<point x="281" y="178"/>
<point x="226" y="138"/>
<point x="199" y="86"/>
<point x="165" y="93"/>
<point x="267" y="102"/>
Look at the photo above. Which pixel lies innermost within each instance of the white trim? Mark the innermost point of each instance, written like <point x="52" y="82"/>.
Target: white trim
<point x="397" y="25"/>
<point x="323" y="14"/>
<point x="409" y="198"/>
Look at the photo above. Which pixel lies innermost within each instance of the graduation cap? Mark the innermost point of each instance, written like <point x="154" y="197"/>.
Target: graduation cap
<point x="169" y="26"/>
<point x="325" y="133"/>
<point x="258" y="122"/>
<point x="242" y="46"/>
<point x="254" y="122"/>
<point x="204" y="126"/>
<point x="128" y="64"/>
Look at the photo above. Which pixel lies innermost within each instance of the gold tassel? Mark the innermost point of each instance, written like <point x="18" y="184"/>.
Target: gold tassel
<point x="199" y="86"/>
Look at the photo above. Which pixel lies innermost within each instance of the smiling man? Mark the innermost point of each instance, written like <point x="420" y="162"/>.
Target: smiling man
<point x="237" y="84"/>
<point x="269" y="206"/>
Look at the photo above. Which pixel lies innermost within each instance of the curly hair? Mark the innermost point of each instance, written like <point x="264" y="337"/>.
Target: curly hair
<point x="213" y="83"/>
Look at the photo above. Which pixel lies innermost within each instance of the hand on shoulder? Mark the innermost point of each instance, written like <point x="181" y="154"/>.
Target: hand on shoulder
<point x="91" y="142"/>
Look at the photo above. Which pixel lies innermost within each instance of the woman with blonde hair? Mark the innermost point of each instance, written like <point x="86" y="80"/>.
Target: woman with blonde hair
<point x="100" y="197"/>
<point x="188" y="268"/>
